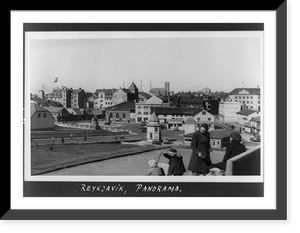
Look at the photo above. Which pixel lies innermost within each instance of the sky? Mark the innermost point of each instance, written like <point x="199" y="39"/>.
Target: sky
<point x="220" y="63"/>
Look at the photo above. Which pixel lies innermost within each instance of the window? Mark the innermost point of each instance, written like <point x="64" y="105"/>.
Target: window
<point x="203" y="113"/>
<point x="124" y="115"/>
<point x="209" y="119"/>
<point x="39" y="115"/>
<point x="117" y="115"/>
<point x="45" y="114"/>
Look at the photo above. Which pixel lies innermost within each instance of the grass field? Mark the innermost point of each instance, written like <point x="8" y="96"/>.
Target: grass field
<point x="44" y="160"/>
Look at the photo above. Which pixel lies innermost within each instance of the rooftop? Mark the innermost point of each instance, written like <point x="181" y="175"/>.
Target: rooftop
<point x="214" y="134"/>
<point x="246" y="112"/>
<point x="245" y="91"/>
<point x="176" y="111"/>
<point x="125" y="106"/>
<point x="36" y="108"/>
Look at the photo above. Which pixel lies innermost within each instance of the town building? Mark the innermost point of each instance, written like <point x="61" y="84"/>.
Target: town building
<point x="248" y="97"/>
<point x="143" y="108"/>
<point x="58" y="113"/>
<point x="228" y="110"/>
<point x="73" y="98"/>
<point x="190" y="126"/>
<point x="55" y="95"/>
<point x="255" y="125"/>
<point x="175" y="117"/>
<point x="219" y="139"/>
<point x="153" y="129"/>
<point x="103" y="98"/>
<point x="123" y="112"/>
<point x="78" y="98"/>
<point x="126" y="95"/>
<point x="245" y="116"/>
<point x="41" y="118"/>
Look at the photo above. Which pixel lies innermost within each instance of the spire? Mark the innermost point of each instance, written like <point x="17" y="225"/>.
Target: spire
<point x="153" y="118"/>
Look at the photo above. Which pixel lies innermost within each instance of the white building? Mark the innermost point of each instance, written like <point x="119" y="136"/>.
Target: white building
<point x="153" y="129"/>
<point x="175" y="117"/>
<point x="41" y="118"/>
<point x="245" y="116"/>
<point x="228" y="110"/>
<point x="103" y="98"/>
<point x="143" y="109"/>
<point x="248" y="97"/>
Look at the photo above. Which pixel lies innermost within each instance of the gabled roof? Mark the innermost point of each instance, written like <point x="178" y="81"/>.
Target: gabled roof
<point x="176" y="111"/>
<point x="77" y="91"/>
<point x="125" y="106"/>
<point x="252" y="91"/>
<point x="132" y="87"/>
<point x="106" y="91"/>
<point x="144" y="94"/>
<point x="246" y="112"/>
<point x="257" y="119"/>
<point x="36" y="108"/>
<point x="54" y="109"/>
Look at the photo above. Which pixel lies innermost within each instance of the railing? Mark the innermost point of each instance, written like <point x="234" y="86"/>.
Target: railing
<point x="75" y="125"/>
<point x="247" y="163"/>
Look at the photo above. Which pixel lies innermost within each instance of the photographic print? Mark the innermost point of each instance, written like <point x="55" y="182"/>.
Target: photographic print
<point x="165" y="109"/>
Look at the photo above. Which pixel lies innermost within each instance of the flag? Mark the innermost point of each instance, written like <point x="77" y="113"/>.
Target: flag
<point x="56" y="80"/>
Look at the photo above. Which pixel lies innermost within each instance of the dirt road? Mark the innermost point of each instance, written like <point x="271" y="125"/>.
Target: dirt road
<point x="129" y="165"/>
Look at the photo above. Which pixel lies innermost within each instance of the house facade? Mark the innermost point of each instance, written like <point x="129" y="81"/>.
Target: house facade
<point x="122" y="112"/>
<point x="175" y="117"/>
<point x="249" y="98"/>
<point x="103" y="98"/>
<point x="143" y="108"/>
<point x="73" y="98"/>
<point x="228" y="110"/>
<point x="245" y="116"/>
<point x="58" y="112"/>
<point x="41" y="118"/>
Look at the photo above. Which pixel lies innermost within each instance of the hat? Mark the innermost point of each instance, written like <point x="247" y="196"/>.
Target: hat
<point x="173" y="150"/>
<point x="152" y="163"/>
<point x="204" y="125"/>
<point x="236" y="136"/>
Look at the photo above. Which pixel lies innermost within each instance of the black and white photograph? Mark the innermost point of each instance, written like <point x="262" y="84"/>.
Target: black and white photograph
<point x="157" y="106"/>
<point x="129" y="117"/>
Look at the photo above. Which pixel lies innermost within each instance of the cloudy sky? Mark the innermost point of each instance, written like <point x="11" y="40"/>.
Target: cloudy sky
<point x="219" y="61"/>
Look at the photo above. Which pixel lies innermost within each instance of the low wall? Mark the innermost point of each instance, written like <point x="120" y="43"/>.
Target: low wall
<point x="247" y="163"/>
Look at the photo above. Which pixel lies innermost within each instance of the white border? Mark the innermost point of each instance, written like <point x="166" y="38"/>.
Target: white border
<point x="18" y="202"/>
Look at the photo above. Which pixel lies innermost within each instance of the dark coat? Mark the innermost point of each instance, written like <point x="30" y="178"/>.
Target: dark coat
<point x="176" y="166"/>
<point x="233" y="149"/>
<point x="200" y="143"/>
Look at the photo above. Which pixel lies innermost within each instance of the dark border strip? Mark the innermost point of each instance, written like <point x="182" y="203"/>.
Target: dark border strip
<point x="40" y="27"/>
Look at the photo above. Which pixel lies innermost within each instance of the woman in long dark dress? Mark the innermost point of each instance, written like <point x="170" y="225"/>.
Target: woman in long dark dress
<point x="200" y="158"/>
<point x="234" y="148"/>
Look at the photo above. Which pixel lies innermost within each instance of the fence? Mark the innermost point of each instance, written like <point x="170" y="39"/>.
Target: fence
<point x="247" y="163"/>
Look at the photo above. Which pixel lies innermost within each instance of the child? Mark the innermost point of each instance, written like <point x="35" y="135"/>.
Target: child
<point x="154" y="170"/>
<point x="176" y="166"/>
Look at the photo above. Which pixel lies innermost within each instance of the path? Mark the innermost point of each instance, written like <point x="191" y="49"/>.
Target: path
<point x="129" y="165"/>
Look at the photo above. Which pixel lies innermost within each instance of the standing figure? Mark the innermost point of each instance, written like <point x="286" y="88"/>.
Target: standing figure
<point x="200" y="145"/>
<point x="235" y="147"/>
<point x="176" y="166"/>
